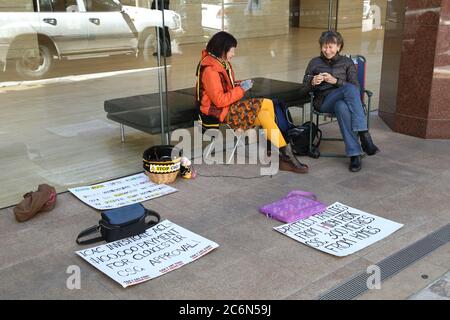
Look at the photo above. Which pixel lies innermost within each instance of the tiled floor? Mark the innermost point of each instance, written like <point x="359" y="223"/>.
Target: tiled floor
<point x="438" y="290"/>
<point x="408" y="182"/>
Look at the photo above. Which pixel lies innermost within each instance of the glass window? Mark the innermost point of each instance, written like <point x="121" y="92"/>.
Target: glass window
<point x="45" y="5"/>
<point x="58" y="5"/>
<point x="58" y="132"/>
<point x="17" y="6"/>
<point x="101" y="5"/>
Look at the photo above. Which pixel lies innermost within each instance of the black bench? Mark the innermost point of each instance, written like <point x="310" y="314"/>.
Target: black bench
<point x="143" y="113"/>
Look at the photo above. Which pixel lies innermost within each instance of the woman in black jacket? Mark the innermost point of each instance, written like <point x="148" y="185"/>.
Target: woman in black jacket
<point x="334" y="81"/>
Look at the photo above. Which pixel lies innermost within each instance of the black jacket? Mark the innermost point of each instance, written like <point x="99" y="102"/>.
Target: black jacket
<point x="340" y="67"/>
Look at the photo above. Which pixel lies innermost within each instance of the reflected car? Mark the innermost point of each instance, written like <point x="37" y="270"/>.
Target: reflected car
<point x="37" y="33"/>
<point x="211" y="16"/>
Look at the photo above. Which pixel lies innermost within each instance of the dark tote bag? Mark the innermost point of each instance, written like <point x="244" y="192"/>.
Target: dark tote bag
<point x="121" y="223"/>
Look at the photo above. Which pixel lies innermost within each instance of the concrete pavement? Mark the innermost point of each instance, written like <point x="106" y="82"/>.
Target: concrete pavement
<point x="408" y="182"/>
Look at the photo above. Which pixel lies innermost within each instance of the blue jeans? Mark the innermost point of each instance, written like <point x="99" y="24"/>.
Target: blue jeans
<point x="345" y="104"/>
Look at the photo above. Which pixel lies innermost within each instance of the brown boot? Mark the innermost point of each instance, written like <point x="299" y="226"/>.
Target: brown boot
<point x="288" y="161"/>
<point x="287" y="165"/>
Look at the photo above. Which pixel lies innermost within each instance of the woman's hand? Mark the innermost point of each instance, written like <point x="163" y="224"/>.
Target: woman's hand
<point x="246" y="84"/>
<point x="329" y="78"/>
<point x="317" y="79"/>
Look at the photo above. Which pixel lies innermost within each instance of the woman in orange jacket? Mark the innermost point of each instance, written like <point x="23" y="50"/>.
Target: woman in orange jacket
<point x="220" y="96"/>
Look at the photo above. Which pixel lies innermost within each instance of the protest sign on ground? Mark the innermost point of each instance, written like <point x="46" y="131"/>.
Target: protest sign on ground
<point x="121" y="192"/>
<point x="161" y="249"/>
<point x="340" y="230"/>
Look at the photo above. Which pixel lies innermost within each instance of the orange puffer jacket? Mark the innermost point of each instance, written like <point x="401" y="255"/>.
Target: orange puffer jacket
<point x="217" y="91"/>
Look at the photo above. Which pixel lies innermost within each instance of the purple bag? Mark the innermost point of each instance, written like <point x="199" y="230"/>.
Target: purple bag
<point x="296" y="205"/>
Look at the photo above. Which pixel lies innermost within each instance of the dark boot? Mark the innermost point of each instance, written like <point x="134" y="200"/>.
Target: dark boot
<point x="367" y="144"/>
<point x="288" y="161"/>
<point x="355" y="164"/>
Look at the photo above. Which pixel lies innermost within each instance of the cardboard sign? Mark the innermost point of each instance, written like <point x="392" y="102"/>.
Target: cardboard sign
<point x="340" y="230"/>
<point x="161" y="249"/>
<point x="121" y="192"/>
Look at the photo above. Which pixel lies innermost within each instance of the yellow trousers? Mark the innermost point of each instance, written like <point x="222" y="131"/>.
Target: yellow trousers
<point x="266" y="119"/>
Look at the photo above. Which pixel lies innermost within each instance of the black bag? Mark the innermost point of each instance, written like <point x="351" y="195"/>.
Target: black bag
<point x="121" y="223"/>
<point x="298" y="137"/>
<point x="283" y="117"/>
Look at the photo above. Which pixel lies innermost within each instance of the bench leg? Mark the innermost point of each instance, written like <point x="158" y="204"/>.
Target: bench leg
<point x="239" y="137"/>
<point x="303" y="114"/>
<point x="122" y="133"/>
<point x="208" y="150"/>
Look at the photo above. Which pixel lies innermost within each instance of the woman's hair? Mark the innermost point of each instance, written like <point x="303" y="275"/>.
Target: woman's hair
<point x="331" y="36"/>
<point x="221" y="43"/>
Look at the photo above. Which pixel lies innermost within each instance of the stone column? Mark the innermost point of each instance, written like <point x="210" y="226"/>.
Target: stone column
<point x="415" y="76"/>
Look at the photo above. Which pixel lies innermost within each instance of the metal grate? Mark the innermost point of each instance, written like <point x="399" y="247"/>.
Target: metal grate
<point x="348" y="290"/>
<point x="442" y="234"/>
<point x="391" y="265"/>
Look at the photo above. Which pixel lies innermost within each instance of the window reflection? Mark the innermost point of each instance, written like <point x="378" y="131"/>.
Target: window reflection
<point x="84" y="52"/>
<point x="371" y="16"/>
<point x="212" y="16"/>
<point x="58" y="31"/>
<point x="101" y="5"/>
<point x="58" y="5"/>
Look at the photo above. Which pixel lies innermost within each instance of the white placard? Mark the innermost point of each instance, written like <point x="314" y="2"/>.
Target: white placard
<point x="121" y="192"/>
<point x="161" y="249"/>
<point x="340" y="230"/>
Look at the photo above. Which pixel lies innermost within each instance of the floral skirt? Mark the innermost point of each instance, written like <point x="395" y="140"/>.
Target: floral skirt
<point x="242" y="114"/>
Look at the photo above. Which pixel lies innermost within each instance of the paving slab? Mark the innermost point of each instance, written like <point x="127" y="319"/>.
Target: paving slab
<point x="407" y="182"/>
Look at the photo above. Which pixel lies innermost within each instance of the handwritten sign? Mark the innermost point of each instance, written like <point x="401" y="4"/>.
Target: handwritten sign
<point x="121" y="192"/>
<point x="161" y="249"/>
<point x="340" y="230"/>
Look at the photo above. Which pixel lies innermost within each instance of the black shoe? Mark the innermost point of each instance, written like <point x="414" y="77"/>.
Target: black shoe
<point x="355" y="164"/>
<point x="367" y="144"/>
